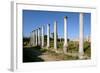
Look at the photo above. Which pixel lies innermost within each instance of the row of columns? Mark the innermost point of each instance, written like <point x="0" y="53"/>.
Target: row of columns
<point x="39" y="33"/>
<point x="37" y="36"/>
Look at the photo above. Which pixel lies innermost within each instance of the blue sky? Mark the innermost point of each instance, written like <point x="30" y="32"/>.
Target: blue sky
<point x="33" y="19"/>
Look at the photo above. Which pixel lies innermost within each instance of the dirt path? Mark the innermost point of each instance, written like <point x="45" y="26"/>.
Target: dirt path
<point x="37" y="55"/>
<point x="48" y="57"/>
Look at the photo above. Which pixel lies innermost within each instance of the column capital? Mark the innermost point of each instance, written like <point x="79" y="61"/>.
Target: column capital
<point x="48" y="24"/>
<point x="33" y="31"/>
<point x="66" y="17"/>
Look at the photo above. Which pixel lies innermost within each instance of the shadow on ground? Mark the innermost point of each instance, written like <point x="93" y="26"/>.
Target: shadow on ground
<point x="31" y="54"/>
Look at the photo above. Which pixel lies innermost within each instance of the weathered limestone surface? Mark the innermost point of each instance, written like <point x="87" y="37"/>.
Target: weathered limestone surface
<point x="65" y="35"/>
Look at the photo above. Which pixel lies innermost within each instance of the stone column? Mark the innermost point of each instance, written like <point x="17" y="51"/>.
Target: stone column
<point x="65" y="35"/>
<point x="81" y="50"/>
<point x="33" y="39"/>
<point x="42" y="36"/>
<point x="55" y="36"/>
<point x="38" y="36"/>
<point x="30" y="38"/>
<point x="48" y="35"/>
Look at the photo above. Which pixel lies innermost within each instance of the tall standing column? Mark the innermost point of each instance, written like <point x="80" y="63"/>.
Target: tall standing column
<point x="33" y="39"/>
<point x="36" y="36"/>
<point x="39" y="36"/>
<point x="48" y="35"/>
<point x="65" y="35"/>
<point x="42" y="36"/>
<point x="55" y="36"/>
<point x="81" y="51"/>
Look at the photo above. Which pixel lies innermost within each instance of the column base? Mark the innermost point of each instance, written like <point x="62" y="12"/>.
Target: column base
<point x="81" y="55"/>
<point x="65" y="49"/>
